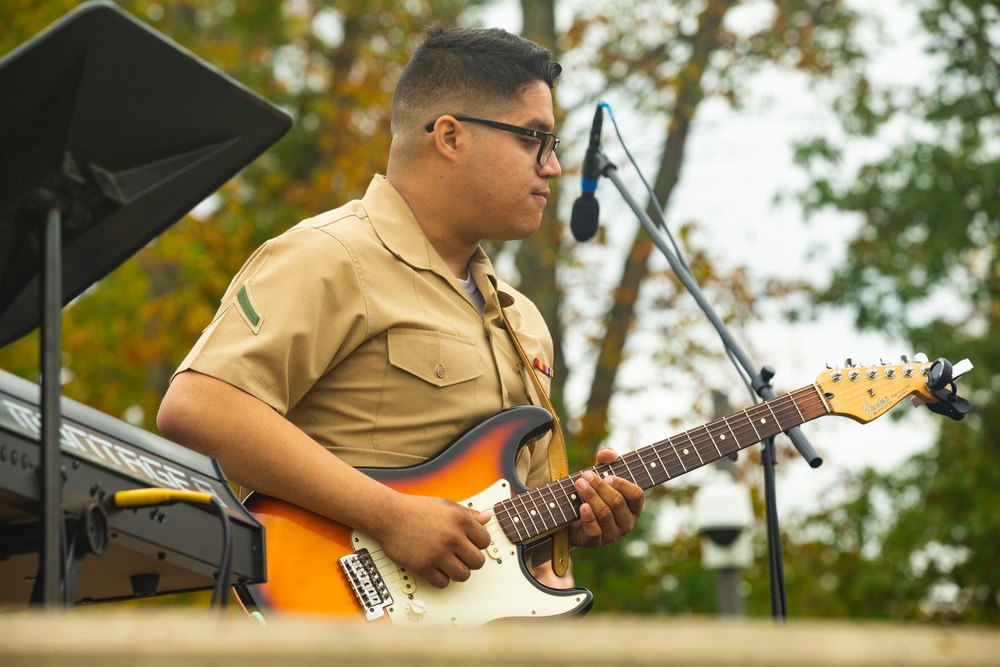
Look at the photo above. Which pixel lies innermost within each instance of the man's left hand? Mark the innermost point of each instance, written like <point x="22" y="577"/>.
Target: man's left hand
<point x="611" y="506"/>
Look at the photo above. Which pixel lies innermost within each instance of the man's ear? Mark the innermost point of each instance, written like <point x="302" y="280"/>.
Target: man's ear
<point x="449" y="138"/>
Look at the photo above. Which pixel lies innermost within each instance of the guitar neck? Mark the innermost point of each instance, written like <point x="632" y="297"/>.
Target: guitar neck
<point x="536" y="512"/>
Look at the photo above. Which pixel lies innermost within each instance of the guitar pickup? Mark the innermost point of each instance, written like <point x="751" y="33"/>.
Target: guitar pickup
<point x="367" y="584"/>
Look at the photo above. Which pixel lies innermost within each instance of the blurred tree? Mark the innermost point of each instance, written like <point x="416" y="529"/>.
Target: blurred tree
<point x="920" y="542"/>
<point x="538" y="257"/>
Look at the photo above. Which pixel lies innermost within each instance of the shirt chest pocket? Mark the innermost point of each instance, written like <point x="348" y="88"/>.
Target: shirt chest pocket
<point x="439" y="359"/>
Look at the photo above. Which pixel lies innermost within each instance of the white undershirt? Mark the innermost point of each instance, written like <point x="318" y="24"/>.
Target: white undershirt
<point x="473" y="291"/>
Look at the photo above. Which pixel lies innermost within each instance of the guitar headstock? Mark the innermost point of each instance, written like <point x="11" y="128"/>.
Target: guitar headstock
<point x="865" y="393"/>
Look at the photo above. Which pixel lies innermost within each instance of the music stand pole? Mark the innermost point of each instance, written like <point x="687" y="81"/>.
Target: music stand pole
<point x="52" y="562"/>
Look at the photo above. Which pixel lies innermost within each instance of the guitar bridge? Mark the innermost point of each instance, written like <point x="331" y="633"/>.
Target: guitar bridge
<point x="367" y="583"/>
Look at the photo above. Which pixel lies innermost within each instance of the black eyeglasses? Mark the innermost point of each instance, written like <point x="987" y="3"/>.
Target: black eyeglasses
<point x="547" y="141"/>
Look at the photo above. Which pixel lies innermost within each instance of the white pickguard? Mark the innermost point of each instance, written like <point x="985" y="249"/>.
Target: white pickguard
<point x="501" y="589"/>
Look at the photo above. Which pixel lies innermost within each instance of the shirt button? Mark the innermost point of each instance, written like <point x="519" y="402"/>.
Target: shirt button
<point x="440" y="371"/>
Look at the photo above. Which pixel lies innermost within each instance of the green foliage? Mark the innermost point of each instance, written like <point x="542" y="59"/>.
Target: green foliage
<point x="920" y="542"/>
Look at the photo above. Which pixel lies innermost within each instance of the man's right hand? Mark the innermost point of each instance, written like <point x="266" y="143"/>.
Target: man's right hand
<point x="436" y="539"/>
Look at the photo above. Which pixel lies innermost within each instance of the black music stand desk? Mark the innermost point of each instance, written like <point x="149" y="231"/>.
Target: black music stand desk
<point x="109" y="133"/>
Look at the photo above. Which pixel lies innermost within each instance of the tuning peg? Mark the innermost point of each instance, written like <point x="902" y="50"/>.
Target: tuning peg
<point x="920" y="358"/>
<point x="904" y="359"/>
<point x="847" y="363"/>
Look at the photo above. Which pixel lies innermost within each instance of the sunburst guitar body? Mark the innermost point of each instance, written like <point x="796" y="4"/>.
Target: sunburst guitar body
<point x="319" y="566"/>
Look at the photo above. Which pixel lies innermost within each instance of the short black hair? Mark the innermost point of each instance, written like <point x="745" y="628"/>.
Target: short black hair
<point x="480" y="66"/>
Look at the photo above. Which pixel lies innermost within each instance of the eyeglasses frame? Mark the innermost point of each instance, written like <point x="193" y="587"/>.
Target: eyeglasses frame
<point x="542" y="135"/>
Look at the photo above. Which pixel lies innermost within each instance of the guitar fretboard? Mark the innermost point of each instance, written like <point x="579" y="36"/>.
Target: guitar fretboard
<point x="539" y="511"/>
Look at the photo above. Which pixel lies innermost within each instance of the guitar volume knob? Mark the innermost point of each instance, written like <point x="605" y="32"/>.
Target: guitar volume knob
<point x="416" y="610"/>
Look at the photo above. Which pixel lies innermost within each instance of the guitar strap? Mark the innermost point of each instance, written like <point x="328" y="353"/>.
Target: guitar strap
<point x="558" y="462"/>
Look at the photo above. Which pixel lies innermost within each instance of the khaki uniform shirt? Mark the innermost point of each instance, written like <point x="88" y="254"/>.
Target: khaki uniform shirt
<point x="354" y="328"/>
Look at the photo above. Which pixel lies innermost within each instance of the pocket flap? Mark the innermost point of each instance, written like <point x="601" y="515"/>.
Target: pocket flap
<point x="437" y="358"/>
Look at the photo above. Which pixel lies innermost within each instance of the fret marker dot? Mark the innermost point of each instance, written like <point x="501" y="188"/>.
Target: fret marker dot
<point x="552" y="504"/>
<point x="532" y="512"/>
<point x="573" y="496"/>
<point x="516" y="519"/>
<point x="763" y="421"/>
<point x="606" y="474"/>
<point x="722" y="437"/>
<point x="685" y="450"/>
<point x="653" y="464"/>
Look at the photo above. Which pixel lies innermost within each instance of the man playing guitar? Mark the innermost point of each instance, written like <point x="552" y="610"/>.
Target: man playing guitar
<point x="374" y="334"/>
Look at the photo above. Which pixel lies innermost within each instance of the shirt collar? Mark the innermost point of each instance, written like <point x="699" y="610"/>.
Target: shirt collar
<point x="400" y="232"/>
<point x="395" y="225"/>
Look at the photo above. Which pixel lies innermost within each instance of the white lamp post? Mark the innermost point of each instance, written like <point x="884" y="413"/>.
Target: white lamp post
<point x="723" y="516"/>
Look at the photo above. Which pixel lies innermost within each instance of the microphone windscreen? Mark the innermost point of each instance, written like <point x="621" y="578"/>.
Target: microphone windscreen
<point x="583" y="219"/>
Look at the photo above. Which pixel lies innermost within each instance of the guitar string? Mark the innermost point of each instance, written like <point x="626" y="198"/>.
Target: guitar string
<point x="788" y="407"/>
<point x="385" y="565"/>
<point x="532" y="502"/>
<point x="785" y="411"/>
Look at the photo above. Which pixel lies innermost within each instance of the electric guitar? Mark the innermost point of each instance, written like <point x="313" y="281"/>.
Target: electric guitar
<point x="316" y="565"/>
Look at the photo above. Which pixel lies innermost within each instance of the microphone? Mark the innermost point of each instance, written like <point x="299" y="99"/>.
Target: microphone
<point x="583" y="219"/>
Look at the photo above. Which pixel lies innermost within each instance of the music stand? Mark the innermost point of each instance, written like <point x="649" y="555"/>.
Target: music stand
<point x="110" y="133"/>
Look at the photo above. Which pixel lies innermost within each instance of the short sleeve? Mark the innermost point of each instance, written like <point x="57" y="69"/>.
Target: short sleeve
<point x="293" y="311"/>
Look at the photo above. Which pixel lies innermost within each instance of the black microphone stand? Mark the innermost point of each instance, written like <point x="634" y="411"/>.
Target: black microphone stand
<point x="760" y="381"/>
